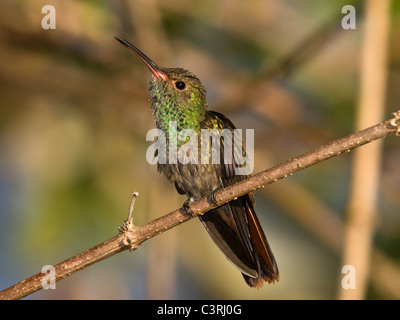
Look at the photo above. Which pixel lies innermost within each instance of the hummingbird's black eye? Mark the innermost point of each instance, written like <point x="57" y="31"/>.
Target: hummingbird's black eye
<point x="180" y="85"/>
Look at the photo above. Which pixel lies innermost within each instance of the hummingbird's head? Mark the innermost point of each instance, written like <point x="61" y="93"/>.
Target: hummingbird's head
<point x="179" y="87"/>
<point x="176" y="94"/>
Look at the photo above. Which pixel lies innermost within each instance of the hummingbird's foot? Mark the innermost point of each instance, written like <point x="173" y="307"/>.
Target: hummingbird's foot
<point x="211" y="199"/>
<point x="186" y="207"/>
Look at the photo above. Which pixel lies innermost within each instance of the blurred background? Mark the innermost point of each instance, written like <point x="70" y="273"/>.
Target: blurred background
<point x="74" y="113"/>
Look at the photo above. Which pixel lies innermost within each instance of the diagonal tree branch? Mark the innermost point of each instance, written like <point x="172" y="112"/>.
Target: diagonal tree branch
<point x="131" y="236"/>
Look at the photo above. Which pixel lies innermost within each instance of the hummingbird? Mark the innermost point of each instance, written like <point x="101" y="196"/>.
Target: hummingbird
<point x="178" y="96"/>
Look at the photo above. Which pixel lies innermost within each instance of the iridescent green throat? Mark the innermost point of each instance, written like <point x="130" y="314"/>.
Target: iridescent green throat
<point x="186" y="107"/>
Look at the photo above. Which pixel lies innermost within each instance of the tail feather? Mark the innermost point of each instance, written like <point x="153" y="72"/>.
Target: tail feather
<point x="235" y="229"/>
<point x="267" y="266"/>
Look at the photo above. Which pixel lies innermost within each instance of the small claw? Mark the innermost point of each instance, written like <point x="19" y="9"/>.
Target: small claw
<point x="211" y="199"/>
<point x="186" y="208"/>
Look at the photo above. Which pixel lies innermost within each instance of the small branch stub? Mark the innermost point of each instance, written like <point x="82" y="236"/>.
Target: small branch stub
<point x="395" y="122"/>
<point x="128" y="225"/>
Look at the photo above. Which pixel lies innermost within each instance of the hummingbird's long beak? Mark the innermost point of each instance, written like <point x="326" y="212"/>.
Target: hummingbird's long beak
<point x="156" y="70"/>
